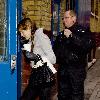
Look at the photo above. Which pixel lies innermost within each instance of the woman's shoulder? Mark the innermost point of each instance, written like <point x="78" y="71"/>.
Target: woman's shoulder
<point x="39" y="30"/>
<point x="40" y="33"/>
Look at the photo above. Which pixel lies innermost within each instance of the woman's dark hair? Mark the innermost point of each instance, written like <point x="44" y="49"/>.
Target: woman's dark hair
<point x="33" y="27"/>
<point x="48" y="33"/>
<point x="24" y="23"/>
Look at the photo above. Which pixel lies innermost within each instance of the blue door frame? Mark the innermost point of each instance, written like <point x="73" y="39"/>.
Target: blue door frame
<point x="8" y="80"/>
<point x="19" y="17"/>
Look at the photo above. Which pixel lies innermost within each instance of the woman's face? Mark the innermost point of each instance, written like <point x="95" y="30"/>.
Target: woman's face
<point x="26" y="33"/>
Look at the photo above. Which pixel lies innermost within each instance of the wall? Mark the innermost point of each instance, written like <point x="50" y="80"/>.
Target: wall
<point x="95" y="16"/>
<point x="39" y="11"/>
<point x="95" y="20"/>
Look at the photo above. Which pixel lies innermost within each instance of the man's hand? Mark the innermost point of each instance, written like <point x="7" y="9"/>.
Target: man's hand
<point x="67" y="33"/>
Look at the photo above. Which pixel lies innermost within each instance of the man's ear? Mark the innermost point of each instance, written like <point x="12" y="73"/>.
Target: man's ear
<point x="74" y="19"/>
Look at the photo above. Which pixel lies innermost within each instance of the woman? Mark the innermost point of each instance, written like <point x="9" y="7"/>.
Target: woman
<point x="40" y="45"/>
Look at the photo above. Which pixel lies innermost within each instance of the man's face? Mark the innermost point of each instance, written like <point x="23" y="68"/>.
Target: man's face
<point x="68" y="20"/>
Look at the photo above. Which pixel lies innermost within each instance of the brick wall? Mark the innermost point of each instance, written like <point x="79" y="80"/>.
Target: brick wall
<point x="39" y="11"/>
<point x="95" y="20"/>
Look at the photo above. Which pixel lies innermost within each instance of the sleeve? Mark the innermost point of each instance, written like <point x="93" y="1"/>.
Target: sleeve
<point x="58" y="48"/>
<point x="30" y="56"/>
<point x="46" y="46"/>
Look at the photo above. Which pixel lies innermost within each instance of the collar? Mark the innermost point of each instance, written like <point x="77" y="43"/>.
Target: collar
<point x="73" y="27"/>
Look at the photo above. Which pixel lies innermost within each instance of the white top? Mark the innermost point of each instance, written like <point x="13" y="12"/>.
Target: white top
<point x="42" y="46"/>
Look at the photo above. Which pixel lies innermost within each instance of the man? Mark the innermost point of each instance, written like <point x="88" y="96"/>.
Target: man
<point x="71" y="48"/>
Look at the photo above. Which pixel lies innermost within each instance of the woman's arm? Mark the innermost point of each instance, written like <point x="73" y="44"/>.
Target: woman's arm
<point x="46" y="46"/>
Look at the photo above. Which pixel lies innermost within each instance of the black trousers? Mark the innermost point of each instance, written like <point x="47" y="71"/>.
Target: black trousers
<point x="32" y="91"/>
<point x="71" y="84"/>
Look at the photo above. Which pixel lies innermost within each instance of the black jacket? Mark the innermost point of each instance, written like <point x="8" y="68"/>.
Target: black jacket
<point x="72" y="51"/>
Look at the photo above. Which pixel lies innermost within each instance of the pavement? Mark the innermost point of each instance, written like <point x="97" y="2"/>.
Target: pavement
<point x="92" y="82"/>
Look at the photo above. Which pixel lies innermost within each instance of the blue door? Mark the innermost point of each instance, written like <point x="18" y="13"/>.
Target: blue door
<point x="8" y="50"/>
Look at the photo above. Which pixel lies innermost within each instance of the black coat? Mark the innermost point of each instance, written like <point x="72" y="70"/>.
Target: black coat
<point x="72" y="51"/>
